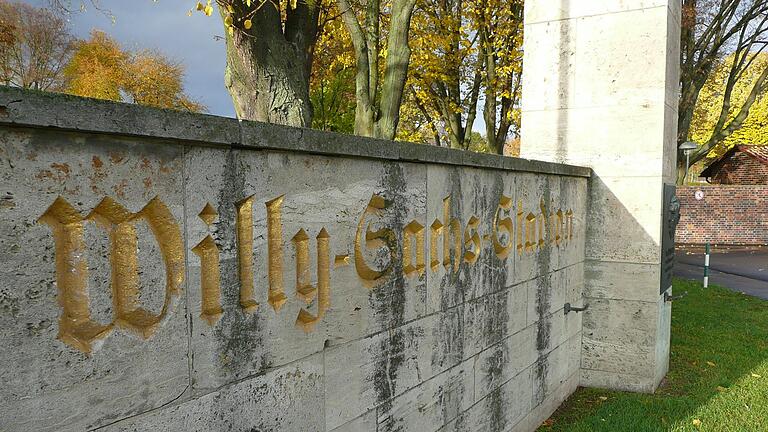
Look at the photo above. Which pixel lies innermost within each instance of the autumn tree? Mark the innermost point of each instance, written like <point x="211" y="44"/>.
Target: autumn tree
<point x="97" y="69"/>
<point x="728" y="36"/>
<point x="154" y="80"/>
<point x="101" y="69"/>
<point x="35" y="44"/>
<point x="269" y="47"/>
<point x="272" y="47"/>
<point x="466" y="52"/>
<point x="269" y="57"/>
<point x="500" y="29"/>
<point x="709" y="107"/>
<point x="270" y="52"/>
<point x="332" y="81"/>
<point x="446" y="73"/>
<point x="418" y="122"/>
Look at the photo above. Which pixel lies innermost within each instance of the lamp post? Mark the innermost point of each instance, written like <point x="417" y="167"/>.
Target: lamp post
<point x="687" y="147"/>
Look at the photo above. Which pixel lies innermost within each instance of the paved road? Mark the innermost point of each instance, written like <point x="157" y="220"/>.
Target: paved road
<point x="740" y="270"/>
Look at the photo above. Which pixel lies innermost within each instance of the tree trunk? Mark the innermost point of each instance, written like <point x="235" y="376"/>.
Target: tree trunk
<point x="267" y="83"/>
<point x="396" y="69"/>
<point x="489" y="109"/>
<point x="365" y="71"/>
<point x="267" y="75"/>
<point x="374" y="117"/>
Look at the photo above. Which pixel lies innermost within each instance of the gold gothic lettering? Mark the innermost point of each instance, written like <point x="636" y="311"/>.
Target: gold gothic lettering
<point x="530" y="232"/>
<point x="472" y="241"/>
<point x="543" y="219"/>
<point x="413" y="255"/>
<point x="511" y="229"/>
<point x="76" y="328"/>
<point x="341" y="261"/>
<point x="502" y="225"/>
<point x="519" y="227"/>
<point x="276" y="296"/>
<point x="383" y="237"/>
<point x="304" y="288"/>
<point x="244" y="224"/>
<point x="452" y="229"/>
<point x="435" y="231"/>
<point x="210" y="280"/>
<point x="569" y="224"/>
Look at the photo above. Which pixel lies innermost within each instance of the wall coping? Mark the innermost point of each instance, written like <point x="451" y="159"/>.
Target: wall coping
<point x="45" y="110"/>
<point x="723" y="186"/>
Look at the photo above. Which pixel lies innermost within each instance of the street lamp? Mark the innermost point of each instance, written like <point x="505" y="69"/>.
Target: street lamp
<point x="687" y="147"/>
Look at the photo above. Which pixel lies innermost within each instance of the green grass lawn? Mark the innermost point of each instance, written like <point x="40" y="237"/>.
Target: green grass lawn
<point x="718" y="373"/>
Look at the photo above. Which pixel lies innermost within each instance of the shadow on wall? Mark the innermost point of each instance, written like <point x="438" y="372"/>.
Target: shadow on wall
<point x="626" y="329"/>
<point x="622" y="275"/>
<point x="627" y="315"/>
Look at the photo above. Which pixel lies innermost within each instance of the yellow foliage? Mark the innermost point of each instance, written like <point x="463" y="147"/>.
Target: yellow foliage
<point x="154" y="80"/>
<point x="710" y="103"/>
<point x="239" y="18"/>
<point x="333" y="49"/>
<point x="97" y="68"/>
<point x="101" y="69"/>
<point x="447" y="52"/>
<point x="332" y="84"/>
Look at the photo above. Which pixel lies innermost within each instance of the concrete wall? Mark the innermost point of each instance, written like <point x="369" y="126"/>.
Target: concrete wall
<point x="169" y="271"/>
<point x="723" y="214"/>
<point x="600" y="89"/>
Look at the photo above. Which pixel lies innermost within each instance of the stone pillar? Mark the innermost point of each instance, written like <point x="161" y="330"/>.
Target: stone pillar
<point x="600" y="89"/>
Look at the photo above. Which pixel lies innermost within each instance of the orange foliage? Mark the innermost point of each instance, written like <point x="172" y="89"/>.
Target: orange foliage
<point x="101" y="69"/>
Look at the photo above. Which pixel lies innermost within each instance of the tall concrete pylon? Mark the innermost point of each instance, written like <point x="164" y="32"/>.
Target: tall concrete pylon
<point x="600" y="89"/>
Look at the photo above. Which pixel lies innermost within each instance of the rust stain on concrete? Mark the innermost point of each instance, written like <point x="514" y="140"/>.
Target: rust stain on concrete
<point x="62" y="168"/>
<point x="44" y="174"/>
<point x="116" y="157"/>
<point x="120" y="188"/>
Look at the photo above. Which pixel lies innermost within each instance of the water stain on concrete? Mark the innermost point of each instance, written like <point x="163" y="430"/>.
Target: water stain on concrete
<point x="239" y="336"/>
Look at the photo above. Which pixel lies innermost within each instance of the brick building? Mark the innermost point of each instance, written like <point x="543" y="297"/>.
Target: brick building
<point x="723" y="214"/>
<point x="743" y="165"/>
<point x="733" y="210"/>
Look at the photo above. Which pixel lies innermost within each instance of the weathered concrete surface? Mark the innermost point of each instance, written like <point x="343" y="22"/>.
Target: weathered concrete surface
<point x="48" y="385"/>
<point x="600" y="89"/>
<point x="183" y="294"/>
<point x="288" y="398"/>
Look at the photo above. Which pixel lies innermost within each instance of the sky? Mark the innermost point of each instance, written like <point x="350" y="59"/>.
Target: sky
<point x="164" y="25"/>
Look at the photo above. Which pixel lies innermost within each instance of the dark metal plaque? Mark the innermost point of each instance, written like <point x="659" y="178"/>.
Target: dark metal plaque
<point x="671" y="217"/>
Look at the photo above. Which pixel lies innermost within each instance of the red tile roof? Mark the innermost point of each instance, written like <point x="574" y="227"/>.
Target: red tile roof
<point x="758" y="152"/>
